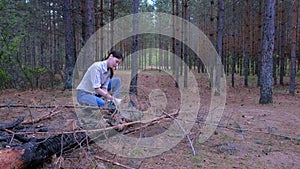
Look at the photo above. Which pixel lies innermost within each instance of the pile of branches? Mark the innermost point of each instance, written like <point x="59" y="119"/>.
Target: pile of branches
<point x="31" y="151"/>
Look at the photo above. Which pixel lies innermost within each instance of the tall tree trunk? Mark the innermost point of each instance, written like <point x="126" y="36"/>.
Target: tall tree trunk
<point x="97" y="26"/>
<point x="219" y="45"/>
<point x="259" y="43"/>
<point x="89" y="19"/>
<point x="247" y="42"/>
<point x="101" y="30"/>
<point x="282" y="47"/>
<point x="234" y="53"/>
<point x="89" y="26"/>
<point x="266" y="93"/>
<point x="253" y="47"/>
<point x="150" y="55"/>
<point x="166" y="56"/>
<point x="177" y="45"/>
<point x="211" y="37"/>
<point x="50" y="38"/>
<point x="226" y="54"/>
<point x="134" y="70"/>
<point x="77" y="18"/>
<point x="173" y="65"/>
<point x="112" y="17"/>
<point x="293" y="47"/>
<point x="70" y="43"/>
<point x="276" y="46"/>
<point x="185" y="40"/>
<point x="159" y="57"/>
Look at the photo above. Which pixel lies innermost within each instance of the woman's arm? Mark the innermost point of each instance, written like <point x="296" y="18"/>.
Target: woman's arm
<point x="104" y="92"/>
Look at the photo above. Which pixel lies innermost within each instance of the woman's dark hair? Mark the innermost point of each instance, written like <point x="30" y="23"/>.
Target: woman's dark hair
<point x="116" y="54"/>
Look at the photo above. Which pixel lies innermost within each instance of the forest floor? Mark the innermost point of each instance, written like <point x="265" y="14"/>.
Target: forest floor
<point x="249" y="135"/>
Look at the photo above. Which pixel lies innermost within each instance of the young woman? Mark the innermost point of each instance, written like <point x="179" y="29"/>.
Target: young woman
<point x="98" y="81"/>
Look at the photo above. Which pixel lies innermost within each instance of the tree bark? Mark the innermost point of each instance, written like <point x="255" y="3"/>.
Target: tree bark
<point x="234" y="53"/>
<point x="294" y="47"/>
<point x="134" y="69"/>
<point x="282" y="44"/>
<point x="177" y="45"/>
<point x="247" y="42"/>
<point x="34" y="151"/>
<point x="185" y="40"/>
<point x="220" y="45"/>
<point x="112" y="17"/>
<point x="259" y="43"/>
<point x="31" y="154"/>
<point x="211" y="37"/>
<point x="70" y="55"/>
<point x="266" y="92"/>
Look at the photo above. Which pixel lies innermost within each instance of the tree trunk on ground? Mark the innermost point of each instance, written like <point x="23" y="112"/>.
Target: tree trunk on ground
<point x="32" y="154"/>
<point x="266" y="92"/>
<point x="34" y="151"/>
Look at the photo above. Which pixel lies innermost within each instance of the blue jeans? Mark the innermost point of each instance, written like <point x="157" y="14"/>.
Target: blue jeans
<point x="85" y="98"/>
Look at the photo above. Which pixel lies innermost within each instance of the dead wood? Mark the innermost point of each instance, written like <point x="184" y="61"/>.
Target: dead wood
<point x="12" y="124"/>
<point x="47" y="116"/>
<point x="31" y="154"/>
<point x="34" y="150"/>
<point x="113" y="162"/>
<point x="184" y="132"/>
<point x="142" y="122"/>
<point x="10" y="105"/>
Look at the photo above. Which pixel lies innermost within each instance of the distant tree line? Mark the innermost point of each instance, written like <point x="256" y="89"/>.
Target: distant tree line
<point x="41" y="39"/>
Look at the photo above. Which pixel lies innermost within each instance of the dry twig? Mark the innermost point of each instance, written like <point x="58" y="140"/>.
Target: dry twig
<point x="187" y="136"/>
<point x="113" y="162"/>
<point x="47" y="116"/>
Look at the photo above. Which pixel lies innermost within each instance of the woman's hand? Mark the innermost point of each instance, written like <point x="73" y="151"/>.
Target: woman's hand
<point x="109" y="97"/>
<point x="104" y="93"/>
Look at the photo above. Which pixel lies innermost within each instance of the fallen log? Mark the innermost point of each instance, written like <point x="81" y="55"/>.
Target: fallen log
<point x="32" y="154"/>
<point x="33" y="151"/>
<point x="12" y="124"/>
